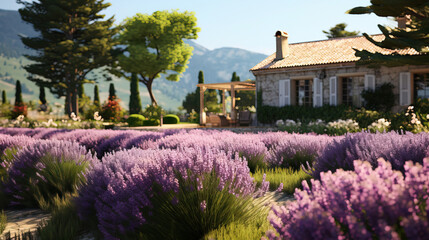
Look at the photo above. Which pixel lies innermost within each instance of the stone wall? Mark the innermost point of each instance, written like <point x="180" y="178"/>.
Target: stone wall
<point x="268" y="80"/>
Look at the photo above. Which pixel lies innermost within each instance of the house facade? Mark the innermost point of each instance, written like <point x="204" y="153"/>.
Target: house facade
<point x="325" y="72"/>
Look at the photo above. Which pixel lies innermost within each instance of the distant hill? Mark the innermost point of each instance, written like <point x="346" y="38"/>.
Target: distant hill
<point x="218" y="66"/>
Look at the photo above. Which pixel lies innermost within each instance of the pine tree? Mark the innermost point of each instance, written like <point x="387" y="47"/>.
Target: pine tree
<point x="42" y="95"/>
<point x="3" y="97"/>
<point x="413" y="35"/>
<point x="96" y="96"/>
<point x="339" y="31"/>
<point x="112" y="92"/>
<point x="18" y="94"/>
<point x="135" y="104"/>
<point x="73" y="40"/>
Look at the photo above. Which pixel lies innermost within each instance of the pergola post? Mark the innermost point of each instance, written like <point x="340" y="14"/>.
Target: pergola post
<point x="223" y="102"/>
<point x="202" y="112"/>
<point x="233" y="113"/>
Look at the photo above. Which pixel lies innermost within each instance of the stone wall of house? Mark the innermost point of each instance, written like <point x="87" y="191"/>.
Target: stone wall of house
<point x="268" y="81"/>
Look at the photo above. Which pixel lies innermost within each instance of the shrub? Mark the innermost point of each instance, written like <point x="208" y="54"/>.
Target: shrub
<point x="112" y="111"/>
<point x="64" y="224"/>
<point x="393" y="147"/>
<point x="135" y="120"/>
<point x="365" y="204"/>
<point x="380" y="99"/>
<point x="153" y="112"/>
<point x="44" y="170"/>
<point x="123" y="191"/>
<point x="170" y="119"/>
<point x="151" y="122"/>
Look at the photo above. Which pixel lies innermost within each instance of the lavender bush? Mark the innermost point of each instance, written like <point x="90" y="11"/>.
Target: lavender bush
<point x="365" y="204"/>
<point x="392" y="146"/>
<point x="121" y="190"/>
<point x="45" y="171"/>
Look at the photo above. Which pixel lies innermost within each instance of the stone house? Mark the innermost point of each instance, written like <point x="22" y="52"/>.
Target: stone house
<point x="325" y="72"/>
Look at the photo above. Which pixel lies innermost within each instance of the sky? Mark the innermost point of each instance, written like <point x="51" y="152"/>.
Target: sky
<point x="251" y="24"/>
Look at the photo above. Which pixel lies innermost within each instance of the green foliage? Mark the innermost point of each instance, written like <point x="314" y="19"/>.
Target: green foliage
<point x="52" y="185"/>
<point x="298" y="160"/>
<point x="96" y="97"/>
<point x="153" y="112"/>
<point x="135" y="105"/>
<point x="3" y="221"/>
<point x="254" y="230"/>
<point x="171" y="119"/>
<point x="339" y="31"/>
<point x="245" y="99"/>
<point x="380" y="99"/>
<point x="154" y="45"/>
<point x="290" y="178"/>
<point x="112" y="111"/>
<point x="5" y="110"/>
<point x="413" y="36"/>
<point x="72" y="41"/>
<point x="18" y="94"/>
<point x="42" y="95"/>
<point x="188" y="220"/>
<point x="112" y="92"/>
<point x="3" y="97"/>
<point x="192" y="101"/>
<point x="194" y="117"/>
<point x="64" y="224"/>
<point x="151" y="122"/>
<point x="136" y="120"/>
<point x="87" y="107"/>
<point x="254" y="161"/>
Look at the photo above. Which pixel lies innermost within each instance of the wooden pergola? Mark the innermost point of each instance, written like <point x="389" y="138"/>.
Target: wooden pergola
<point x="228" y="86"/>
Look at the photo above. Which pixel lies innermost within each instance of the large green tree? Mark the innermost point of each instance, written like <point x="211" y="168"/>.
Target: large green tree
<point x="154" y="45"/>
<point x="73" y="39"/>
<point x="339" y="31"/>
<point x="415" y="35"/>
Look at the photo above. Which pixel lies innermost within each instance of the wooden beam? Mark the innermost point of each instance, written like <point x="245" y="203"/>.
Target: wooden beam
<point x="223" y="103"/>
<point x="233" y="113"/>
<point x="202" y="112"/>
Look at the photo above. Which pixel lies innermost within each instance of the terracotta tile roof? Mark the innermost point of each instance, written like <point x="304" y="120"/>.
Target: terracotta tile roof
<point x="338" y="50"/>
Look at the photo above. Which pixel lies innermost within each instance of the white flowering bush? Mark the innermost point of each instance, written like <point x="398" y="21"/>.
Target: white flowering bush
<point x="381" y="125"/>
<point x="345" y="126"/>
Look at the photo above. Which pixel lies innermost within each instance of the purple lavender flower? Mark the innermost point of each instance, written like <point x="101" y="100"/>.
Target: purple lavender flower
<point x="364" y="204"/>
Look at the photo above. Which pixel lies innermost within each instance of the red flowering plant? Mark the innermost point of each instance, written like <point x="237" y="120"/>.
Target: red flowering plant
<point x="20" y="109"/>
<point x="112" y="110"/>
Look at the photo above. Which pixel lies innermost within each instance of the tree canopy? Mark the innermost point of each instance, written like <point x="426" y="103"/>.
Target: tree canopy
<point x="154" y="45"/>
<point x="73" y="40"/>
<point x="414" y="35"/>
<point x="339" y="30"/>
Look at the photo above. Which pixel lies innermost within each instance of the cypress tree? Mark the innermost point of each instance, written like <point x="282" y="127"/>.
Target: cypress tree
<point x="96" y="96"/>
<point x="18" y="94"/>
<point x="135" y="103"/>
<point x="112" y="92"/>
<point x="81" y="91"/>
<point x="3" y="97"/>
<point x="72" y="40"/>
<point x="42" y="95"/>
<point x="234" y="77"/>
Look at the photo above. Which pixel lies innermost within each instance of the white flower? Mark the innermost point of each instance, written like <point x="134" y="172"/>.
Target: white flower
<point x="20" y="118"/>
<point x="280" y="123"/>
<point x="97" y="117"/>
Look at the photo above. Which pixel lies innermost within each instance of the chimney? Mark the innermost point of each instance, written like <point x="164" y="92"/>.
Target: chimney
<point x="282" y="45"/>
<point x="403" y="21"/>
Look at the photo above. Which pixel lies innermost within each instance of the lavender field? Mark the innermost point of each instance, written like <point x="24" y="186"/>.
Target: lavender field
<point x="194" y="184"/>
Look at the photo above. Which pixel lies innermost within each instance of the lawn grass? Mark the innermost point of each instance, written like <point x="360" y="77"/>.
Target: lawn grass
<point x="291" y="179"/>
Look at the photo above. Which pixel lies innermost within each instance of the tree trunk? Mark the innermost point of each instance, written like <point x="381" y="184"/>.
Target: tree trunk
<point x="75" y="102"/>
<point x="68" y="107"/>
<point x="149" y="89"/>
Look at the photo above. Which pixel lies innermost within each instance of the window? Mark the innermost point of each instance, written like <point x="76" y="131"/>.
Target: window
<point x="304" y="92"/>
<point x="421" y="85"/>
<point x="347" y="87"/>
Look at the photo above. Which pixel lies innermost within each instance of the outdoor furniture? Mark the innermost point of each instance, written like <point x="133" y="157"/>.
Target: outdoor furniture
<point x="214" y="120"/>
<point x="244" y="118"/>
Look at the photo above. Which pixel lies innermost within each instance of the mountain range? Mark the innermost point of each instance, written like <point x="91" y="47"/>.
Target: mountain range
<point x="217" y="65"/>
